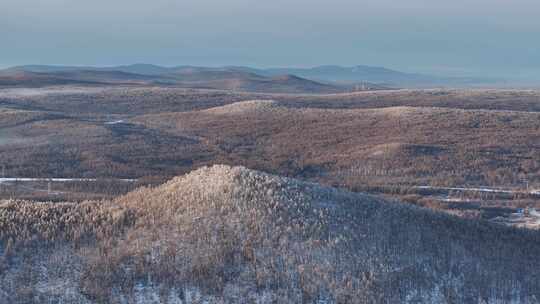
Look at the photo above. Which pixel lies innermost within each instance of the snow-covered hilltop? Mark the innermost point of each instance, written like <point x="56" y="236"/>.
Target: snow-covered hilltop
<point x="229" y="235"/>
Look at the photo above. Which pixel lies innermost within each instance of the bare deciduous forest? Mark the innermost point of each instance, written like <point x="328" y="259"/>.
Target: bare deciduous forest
<point x="391" y="196"/>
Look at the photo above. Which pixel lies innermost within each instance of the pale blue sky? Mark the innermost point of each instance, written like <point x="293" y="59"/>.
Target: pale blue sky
<point x="458" y="37"/>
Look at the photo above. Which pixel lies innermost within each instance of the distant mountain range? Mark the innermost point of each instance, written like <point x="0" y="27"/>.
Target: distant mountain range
<point x="322" y="79"/>
<point x="378" y="75"/>
<point x="199" y="79"/>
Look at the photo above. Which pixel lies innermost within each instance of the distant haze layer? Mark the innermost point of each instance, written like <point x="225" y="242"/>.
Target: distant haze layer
<point x="465" y="38"/>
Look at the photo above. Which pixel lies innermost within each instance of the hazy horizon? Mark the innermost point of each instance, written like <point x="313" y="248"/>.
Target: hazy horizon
<point x="463" y="38"/>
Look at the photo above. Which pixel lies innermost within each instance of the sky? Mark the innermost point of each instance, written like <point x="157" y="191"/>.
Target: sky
<point x="457" y="37"/>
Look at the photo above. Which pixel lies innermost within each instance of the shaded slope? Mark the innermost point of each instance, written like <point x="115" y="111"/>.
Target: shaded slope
<point x="31" y="79"/>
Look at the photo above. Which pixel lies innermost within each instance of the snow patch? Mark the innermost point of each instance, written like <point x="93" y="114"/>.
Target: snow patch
<point x="24" y="179"/>
<point x="114" y="122"/>
<point x="245" y="106"/>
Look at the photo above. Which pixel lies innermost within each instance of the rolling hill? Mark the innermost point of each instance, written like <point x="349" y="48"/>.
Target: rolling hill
<point x="361" y="74"/>
<point x="34" y="79"/>
<point x="377" y="75"/>
<point x="226" y="234"/>
<point x="387" y="142"/>
<point x="396" y="137"/>
<point x="185" y="77"/>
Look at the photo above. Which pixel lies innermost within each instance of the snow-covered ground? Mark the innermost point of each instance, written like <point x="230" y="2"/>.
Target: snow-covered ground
<point x="114" y="122"/>
<point x="487" y="190"/>
<point x="525" y="218"/>
<point x="534" y="213"/>
<point x="29" y="92"/>
<point x="24" y="179"/>
<point x="455" y="200"/>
